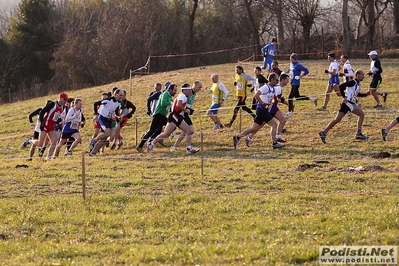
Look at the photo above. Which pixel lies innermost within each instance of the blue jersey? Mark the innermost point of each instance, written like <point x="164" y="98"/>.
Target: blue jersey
<point x="269" y="51"/>
<point x="295" y="71"/>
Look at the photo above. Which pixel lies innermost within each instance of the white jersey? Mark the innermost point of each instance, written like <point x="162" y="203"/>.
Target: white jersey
<point x="348" y="71"/>
<point x="334" y="66"/>
<point x="351" y="92"/>
<point x="108" y="107"/>
<point x="267" y="93"/>
<point x="73" y="118"/>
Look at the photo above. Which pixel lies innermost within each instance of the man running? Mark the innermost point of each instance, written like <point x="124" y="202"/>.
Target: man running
<point x="375" y="73"/>
<point x="217" y="89"/>
<point x="107" y="118"/>
<point x="70" y="130"/>
<point x="269" y="52"/>
<point x="51" y="119"/>
<point x="349" y="91"/>
<point x="176" y="119"/>
<point x="333" y="80"/>
<point x="242" y="82"/>
<point x="159" y="118"/>
<point x="265" y="96"/>
<point x="190" y="101"/>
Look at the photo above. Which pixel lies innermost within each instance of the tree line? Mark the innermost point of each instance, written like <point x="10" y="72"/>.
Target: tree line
<point x="48" y="46"/>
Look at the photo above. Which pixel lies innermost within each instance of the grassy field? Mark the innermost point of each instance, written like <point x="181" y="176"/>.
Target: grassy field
<point x="250" y="206"/>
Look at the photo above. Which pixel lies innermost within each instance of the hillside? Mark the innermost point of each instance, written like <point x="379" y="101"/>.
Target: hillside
<point x="253" y="205"/>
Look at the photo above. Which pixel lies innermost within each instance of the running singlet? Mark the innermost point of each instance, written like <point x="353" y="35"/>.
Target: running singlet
<point x="54" y="113"/>
<point x="175" y="109"/>
<point x="241" y="87"/>
<point x="73" y="119"/>
<point x="267" y="94"/>
<point x="109" y="107"/>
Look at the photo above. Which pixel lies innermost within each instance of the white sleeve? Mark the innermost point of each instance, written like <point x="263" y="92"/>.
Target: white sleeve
<point x="251" y="78"/>
<point x="70" y="115"/>
<point x="223" y="88"/>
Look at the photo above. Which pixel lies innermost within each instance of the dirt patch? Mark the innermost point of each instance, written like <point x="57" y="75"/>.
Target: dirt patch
<point x="381" y="155"/>
<point x="367" y="168"/>
<point x="306" y="166"/>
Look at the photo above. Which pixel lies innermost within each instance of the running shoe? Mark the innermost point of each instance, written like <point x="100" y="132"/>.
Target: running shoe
<point x="173" y="149"/>
<point x="113" y="146"/>
<point x="140" y="149"/>
<point x="384" y="134"/>
<point x="322" y="109"/>
<point x="323" y="136"/>
<point x="360" y="136"/>
<point x="216" y="126"/>
<point x="120" y="144"/>
<point x="314" y="101"/>
<point x="281" y="140"/>
<point x="384" y="96"/>
<point x="92" y="154"/>
<point x="378" y="106"/>
<point x="277" y="145"/>
<point x="248" y="141"/>
<point x="192" y="151"/>
<point x="26" y="143"/>
<point x="235" y="141"/>
<point x="150" y="147"/>
<point x="41" y="151"/>
<point x="288" y="115"/>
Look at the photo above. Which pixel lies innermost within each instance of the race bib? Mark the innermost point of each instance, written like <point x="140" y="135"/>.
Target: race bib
<point x="74" y="125"/>
<point x="240" y="86"/>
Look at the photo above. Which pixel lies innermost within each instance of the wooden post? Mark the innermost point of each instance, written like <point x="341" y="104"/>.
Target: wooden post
<point x="83" y="177"/>
<point x="130" y="79"/>
<point x="202" y="145"/>
<point x="240" y="124"/>
<point x="136" y="125"/>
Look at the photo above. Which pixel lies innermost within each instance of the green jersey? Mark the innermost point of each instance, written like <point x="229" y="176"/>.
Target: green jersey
<point x="164" y="104"/>
<point x="190" y="99"/>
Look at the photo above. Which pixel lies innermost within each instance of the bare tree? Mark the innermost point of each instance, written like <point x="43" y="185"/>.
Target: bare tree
<point x="371" y="10"/>
<point x="304" y="12"/>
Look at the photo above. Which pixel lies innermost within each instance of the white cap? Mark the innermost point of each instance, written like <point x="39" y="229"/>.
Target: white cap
<point x="373" y="53"/>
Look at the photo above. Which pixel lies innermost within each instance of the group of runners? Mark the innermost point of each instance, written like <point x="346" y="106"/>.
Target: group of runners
<point x="59" y="121"/>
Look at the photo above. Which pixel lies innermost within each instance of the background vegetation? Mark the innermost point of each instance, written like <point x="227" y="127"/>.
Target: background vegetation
<point x="51" y="46"/>
<point x="255" y="206"/>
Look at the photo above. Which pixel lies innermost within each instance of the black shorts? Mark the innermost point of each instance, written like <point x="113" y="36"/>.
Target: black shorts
<point x="344" y="108"/>
<point x="175" y="118"/>
<point x="68" y="135"/>
<point x="159" y="120"/>
<point x="36" y="135"/>
<point x="187" y="119"/>
<point x="262" y="115"/>
<point x="375" y="83"/>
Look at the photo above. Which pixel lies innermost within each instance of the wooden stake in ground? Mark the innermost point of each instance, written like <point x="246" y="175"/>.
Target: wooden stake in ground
<point x="83" y="177"/>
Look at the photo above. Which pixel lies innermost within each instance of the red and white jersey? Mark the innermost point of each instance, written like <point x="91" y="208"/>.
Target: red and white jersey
<point x="175" y="108"/>
<point x="52" y="115"/>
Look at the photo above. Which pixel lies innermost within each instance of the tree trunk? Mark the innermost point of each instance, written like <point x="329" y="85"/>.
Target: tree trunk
<point x="370" y="23"/>
<point x="280" y="24"/>
<point x="191" y="25"/>
<point x="345" y="24"/>
<point x="396" y="16"/>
